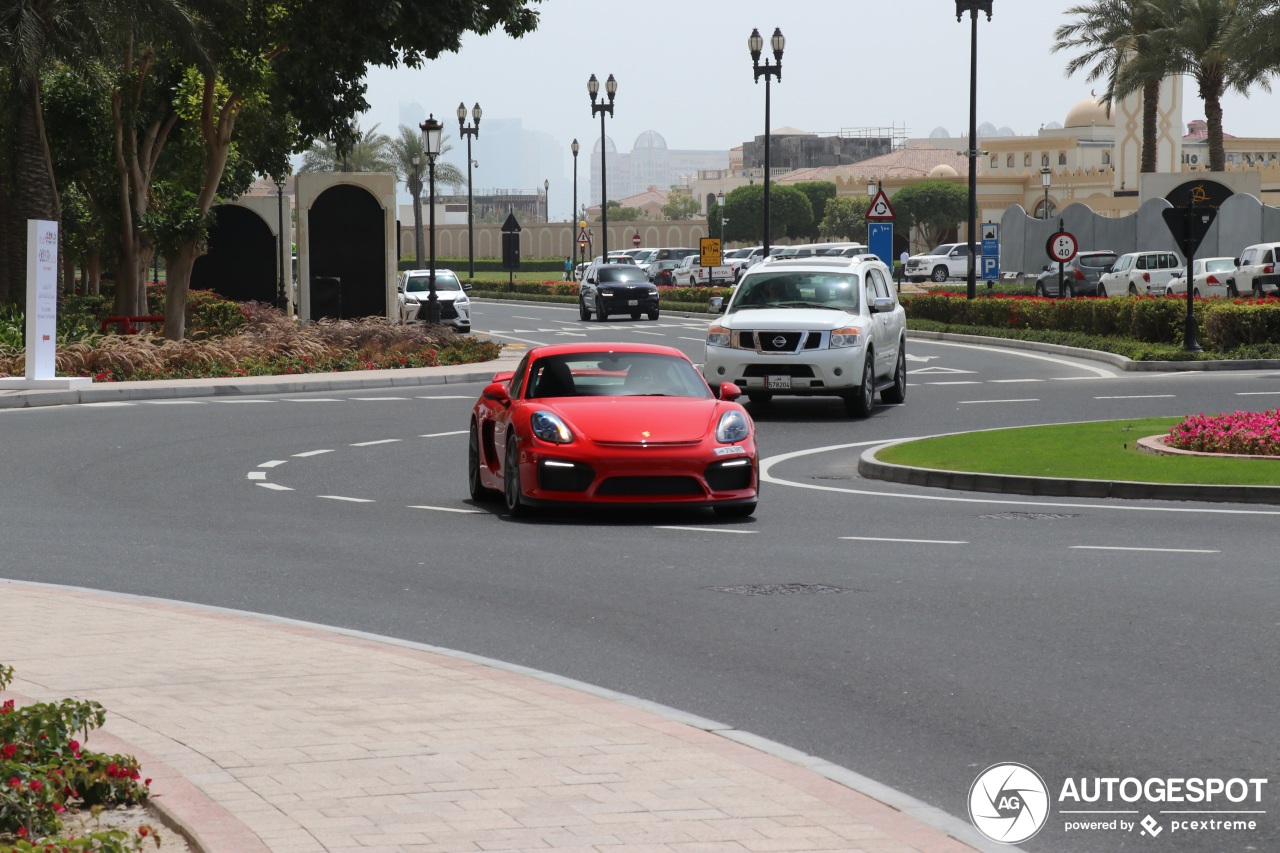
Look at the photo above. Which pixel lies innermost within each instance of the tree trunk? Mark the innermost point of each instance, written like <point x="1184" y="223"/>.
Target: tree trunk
<point x="178" y="285"/>
<point x="6" y="233"/>
<point x="1212" y="95"/>
<point x="34" y="195"/>
<point x="1150" y="125"/>
<point x="93" y="272"/>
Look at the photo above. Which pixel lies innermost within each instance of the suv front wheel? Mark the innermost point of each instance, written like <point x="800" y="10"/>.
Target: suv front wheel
<point x="861" y="400"/>
<point x="939" y="274"/>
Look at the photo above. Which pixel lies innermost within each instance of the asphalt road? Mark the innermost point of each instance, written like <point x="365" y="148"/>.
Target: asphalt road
<point x="913" y="635"/>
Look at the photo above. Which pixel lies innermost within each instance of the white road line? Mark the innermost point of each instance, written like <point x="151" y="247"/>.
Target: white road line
<point x="274" y="487"/>
<point x="317" y="400"/>
<point x="176" y="402"/>
<point x="439" y="434"/>
<point x="107" y="405"/>
<point x="519" y="317"/>
<point x="311" y="453"/>
<point x="448" y="509"/>
<point x="349" y="500"/>
<point x="243" y="401"/>
<point x="274" y="463"/>
<point x="257" y="475"/>
<point x="982" y="402"/>
<point x="659" y="334"/>
<point x="572" y="334"/>
<point x="1155" y="550"/>
<point x="378" y="399"/>
<point x="701" y="529"/>
<point x="1099" y="371"/>
<point x="701" y="340"/>
<point x="1010" y="381"/>
<point x="372" y="443"/>
<point x="450" y="397"/>
<point x="767" y="464"/>
<point x="514" y="338"/>
<point x="1257" y="393"/>
<point x="1071" y="378"/>
<point x="956" y="382"/>
<point x="913" y="541"/>
<point x="1137" y="397"/>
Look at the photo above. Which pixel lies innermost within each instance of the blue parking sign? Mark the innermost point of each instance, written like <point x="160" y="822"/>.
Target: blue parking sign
<point x="990" y="251"/>
<point x="880" y="241"/>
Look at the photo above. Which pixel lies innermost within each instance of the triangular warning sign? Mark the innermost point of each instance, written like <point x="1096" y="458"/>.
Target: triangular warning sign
<point x="582" y="236"/>
<point x="880" y="208"/>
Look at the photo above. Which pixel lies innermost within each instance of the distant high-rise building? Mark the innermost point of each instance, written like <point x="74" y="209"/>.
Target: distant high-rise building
<point x="649" y="163"/>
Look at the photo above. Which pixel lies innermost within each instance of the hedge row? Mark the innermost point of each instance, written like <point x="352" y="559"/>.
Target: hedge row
<point x="460" y="265"/>
<point x="1222" y="325"/>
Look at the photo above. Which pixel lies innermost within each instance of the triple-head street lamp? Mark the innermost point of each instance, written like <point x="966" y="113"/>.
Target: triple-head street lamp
<point x="469" y="131"/>
<point x="755" y="44"/>
<point x="973" y="7"/>
<point x="432" y="131"/>
<point x="611" y="89"/>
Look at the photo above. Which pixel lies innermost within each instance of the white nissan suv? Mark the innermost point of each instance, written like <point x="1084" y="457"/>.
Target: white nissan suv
<point x="814" y="326"/>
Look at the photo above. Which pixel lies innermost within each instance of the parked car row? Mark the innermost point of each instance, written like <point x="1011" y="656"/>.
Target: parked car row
<point x="1163" y="273"/>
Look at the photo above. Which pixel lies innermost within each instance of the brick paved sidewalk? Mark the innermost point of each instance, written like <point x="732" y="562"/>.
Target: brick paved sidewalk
<point x="268" y="735"/>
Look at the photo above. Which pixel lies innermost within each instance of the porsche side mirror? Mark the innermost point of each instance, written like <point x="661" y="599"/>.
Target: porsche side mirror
<point x="729" y="392"/>
<point x="497" y="392"/>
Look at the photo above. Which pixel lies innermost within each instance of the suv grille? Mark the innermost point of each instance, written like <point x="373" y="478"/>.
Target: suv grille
<point x="763" y="341"/>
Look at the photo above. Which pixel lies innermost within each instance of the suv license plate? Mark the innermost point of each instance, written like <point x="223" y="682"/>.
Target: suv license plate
<point x="779" y="382"/>
<point x="633" y="301"/>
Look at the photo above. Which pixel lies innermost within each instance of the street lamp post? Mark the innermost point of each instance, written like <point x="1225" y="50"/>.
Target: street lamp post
<point x="546" y="199"/>
<point x="1046" y="179"/>
<point x="469" y="131"/>
<point x="573" y="211"/>
<point x="720" y="206"/>
<point x="973" y="7"/>
<point x="755" y="43"/>
<point x="431" y="133"/>
<point x="281" y="300"/>
<point x="610" y="89"/>
<point x="415" y="189"/>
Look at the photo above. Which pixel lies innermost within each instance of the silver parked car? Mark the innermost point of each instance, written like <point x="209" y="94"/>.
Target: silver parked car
<point x="1080" y="275"/>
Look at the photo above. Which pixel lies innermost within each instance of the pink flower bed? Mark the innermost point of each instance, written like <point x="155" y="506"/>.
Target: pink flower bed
<point x="1250" y="433"/>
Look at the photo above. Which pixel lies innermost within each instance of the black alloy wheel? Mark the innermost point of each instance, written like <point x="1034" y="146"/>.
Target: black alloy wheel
<point x="479" y="492"/>
<point x="511" y="481"/>
<point x="1257" y="291"/>
<point x="601" y="313"/>
<point x="1040" y="291"/>
<point x="653" y="315"/>
<point x="583" y="313"/>
<point x="1070" y="290"/>
<point x="1102" y="290"/>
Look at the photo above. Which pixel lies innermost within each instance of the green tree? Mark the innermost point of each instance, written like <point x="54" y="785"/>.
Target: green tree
<point x="933" y="207"/>
<point x="618" y="213"/>
<point x="680" y="204"/>
<point x="1199" y="38"/>
<point x="1110" y="34"/>
<point x="370" y="152"/>
<point x="845" y="218"/>
<point x="790" y="214"/>
<point x="818" y="193"/>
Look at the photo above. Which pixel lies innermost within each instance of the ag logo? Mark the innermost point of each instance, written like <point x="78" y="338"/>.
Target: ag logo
<point x="1008" y="803"/>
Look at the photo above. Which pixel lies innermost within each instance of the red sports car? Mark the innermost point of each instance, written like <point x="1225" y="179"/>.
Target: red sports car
<point x="612" y="423"/>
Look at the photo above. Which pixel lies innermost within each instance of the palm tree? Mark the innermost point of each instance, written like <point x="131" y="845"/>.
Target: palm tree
<point x="1195" y="37"/>
<point x="1112" y="34"/>
<point x="404" y="150"/>
<point x="369" y="153"/>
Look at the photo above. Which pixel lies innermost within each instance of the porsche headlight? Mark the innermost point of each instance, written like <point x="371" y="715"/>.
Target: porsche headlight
<point x="549" y="427"/>
<point x="719" y="336"/>
<point x="733" y="427"/>
<point x="847" y="337"/>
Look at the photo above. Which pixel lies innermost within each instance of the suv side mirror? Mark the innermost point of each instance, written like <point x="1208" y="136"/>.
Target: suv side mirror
<point x="881" y="304"/>
<point x="1237" y="262"/>
<point x="715" y="305"/>
<point x="466" y="285"/>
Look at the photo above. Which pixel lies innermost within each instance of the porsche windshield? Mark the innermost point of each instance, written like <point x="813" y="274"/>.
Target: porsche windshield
<point x="615" y="374"/>
<point x="788" y="289"/>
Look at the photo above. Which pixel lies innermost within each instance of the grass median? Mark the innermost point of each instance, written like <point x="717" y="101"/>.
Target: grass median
<point x="1101" y="450"/>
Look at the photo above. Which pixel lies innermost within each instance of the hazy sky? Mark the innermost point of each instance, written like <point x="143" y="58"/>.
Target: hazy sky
<point x="683" y="70"/>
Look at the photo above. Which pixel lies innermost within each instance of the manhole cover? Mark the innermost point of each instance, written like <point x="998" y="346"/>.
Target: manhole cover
<point x="1030" y="516"/>
<point x="778" y="589"/>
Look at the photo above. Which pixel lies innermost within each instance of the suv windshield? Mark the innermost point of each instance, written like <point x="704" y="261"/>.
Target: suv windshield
<point x="944" y="249"/>
<point x="798" y="290"/>
<point x="421" y="283"/>
<point x="621" y="273"/>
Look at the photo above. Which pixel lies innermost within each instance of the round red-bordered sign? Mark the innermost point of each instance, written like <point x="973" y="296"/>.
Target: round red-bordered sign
<point x="1062" y="247"/>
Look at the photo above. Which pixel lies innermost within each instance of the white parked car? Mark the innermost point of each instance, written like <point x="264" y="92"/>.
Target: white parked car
<point x="950" y="260"/>
<point x="1140" y="274"/>
<point x="413" y="287"/>
<point x="813" y="327"/>
<point x="1208" y="276"/>
<point x="691" y="273"/>
<point x="1257" y="271"/>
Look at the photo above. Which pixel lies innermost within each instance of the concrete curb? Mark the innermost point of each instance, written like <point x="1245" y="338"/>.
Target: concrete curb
<point x="873" y="469"/>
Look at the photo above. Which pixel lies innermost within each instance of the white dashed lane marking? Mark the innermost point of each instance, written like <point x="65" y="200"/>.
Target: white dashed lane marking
<point x="257" y="475"/>
<point x="449" y="509"/>
<point x="702" y="529"/>
<point x="983" y="402"/>
<point x="449" y="397"/>
<point x="378" y="399"/>
<point x="372" y="443"/>
<point x="348" y="500"/>
<point x="1138" y="397"/>
<point x="439" y="434"/>
<point x="175" y="402"/>
<point x="1155" y="550"/>
<point x="311" y="453"/>
<point x="274" y="487"/>
<point x="274" y="463"/>
<point x="908" y="541"/>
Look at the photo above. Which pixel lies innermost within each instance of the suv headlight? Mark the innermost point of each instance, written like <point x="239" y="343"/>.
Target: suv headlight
<point x="719" y="336"/>
<point x="462" y="299"/>
<point x="850" y="336"/>
<point x="733" y="427"/>
<point x="549" y="427"/>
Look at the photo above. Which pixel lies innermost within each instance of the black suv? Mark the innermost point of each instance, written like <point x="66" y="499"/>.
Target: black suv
<point x="616" y="289"/>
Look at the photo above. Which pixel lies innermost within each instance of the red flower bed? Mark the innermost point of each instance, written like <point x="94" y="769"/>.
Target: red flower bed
<point x="1250" y="433"/>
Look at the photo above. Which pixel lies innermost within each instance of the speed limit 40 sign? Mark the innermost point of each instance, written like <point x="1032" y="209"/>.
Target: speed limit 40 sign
<point x="1062" y="247"/>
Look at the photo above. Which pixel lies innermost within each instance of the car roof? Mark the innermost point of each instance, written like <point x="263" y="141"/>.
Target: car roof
<point x="822" y="262"/>
<point x="427" y="273"/>
<point x="605" y="346"/>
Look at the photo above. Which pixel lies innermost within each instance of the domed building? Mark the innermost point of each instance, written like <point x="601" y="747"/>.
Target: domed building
<point x="650" y="163"/>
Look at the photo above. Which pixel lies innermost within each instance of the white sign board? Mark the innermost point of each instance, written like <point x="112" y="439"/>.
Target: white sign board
<point x="42" y="311"/>
<point x="42" y="298"/>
